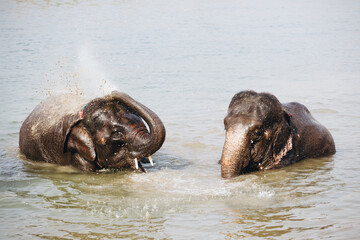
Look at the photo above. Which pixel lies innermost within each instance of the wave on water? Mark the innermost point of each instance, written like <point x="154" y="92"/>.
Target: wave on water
<point x="150" y="195"/>
<point x="189" y="183"/>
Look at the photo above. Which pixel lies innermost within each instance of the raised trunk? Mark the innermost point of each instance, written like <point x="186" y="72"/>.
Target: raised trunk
<point x="235" y="155"/>
<point x="151" y="142"/>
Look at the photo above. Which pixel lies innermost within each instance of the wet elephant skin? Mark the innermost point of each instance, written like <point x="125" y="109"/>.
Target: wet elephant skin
<point x="262" y="133"/>
<point x="107" y="132"/>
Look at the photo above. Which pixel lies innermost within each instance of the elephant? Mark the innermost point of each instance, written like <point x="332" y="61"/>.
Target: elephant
<point x="104" y="133"/>
<point x="262" y="134"/>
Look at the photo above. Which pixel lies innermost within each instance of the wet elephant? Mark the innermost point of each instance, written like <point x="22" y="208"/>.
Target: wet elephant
<point x="262" y="133"/>
<point x="107" y="132"/>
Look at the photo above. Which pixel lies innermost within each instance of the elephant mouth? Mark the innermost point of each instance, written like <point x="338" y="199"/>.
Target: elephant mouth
<point x="136" y="163"/>
<point x="140" y="140"/>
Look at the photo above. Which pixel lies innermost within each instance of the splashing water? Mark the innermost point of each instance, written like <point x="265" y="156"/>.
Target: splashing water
<point x="85" y="77"/>
<point x="91" y="74"/>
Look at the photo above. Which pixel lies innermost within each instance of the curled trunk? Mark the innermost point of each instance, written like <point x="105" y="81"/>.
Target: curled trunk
<point x="148" y="143"/>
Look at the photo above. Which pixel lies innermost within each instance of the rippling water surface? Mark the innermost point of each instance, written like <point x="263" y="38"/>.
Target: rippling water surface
<point x="184" y="60"/>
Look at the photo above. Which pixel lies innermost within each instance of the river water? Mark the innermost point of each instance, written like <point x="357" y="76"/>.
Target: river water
<point x="184" y="60"/>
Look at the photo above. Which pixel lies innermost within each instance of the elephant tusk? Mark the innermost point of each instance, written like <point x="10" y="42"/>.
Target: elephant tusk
<point x="150" y="160"/>
<point x="136" y="164"/>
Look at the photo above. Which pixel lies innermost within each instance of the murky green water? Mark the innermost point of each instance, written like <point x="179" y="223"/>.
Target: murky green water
<point x="184" y="60"/>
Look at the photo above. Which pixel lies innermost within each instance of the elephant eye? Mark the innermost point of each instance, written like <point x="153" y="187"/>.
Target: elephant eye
<point x="257" y="132"/>
<point x="256" y="135"/>
<point x="116" y="135"/>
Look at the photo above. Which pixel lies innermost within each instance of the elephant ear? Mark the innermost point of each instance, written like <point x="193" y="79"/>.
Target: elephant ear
<point x="79" y="141"/>
<point x="282" y="134"/>
<point x="282" y="141"/>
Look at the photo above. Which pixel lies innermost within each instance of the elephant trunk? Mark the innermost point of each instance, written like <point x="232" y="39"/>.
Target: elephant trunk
<point x="236" y="154"/>
<point x="144" y="143"/>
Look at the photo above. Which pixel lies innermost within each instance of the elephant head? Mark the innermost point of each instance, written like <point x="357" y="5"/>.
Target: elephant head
<point x="258" y="134"/>
<point x="112" y="134"/>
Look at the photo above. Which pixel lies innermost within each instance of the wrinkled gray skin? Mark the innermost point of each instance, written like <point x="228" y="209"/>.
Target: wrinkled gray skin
<point x="262" y="133"/>
<point x="106" y="132"/>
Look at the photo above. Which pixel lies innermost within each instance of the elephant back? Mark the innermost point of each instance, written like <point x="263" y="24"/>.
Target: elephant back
<point x="43" y="133"/>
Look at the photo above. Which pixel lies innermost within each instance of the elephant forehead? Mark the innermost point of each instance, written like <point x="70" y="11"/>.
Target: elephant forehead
<point x="252" y="114"/>
<point x="109" y="118"/>
<point x="242" y="120"/>
<point x="102" y="116"/>
<point x="259" y="109"/>
<point x="129" y="118"/>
